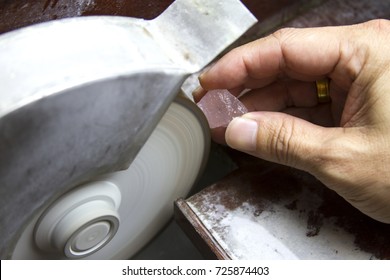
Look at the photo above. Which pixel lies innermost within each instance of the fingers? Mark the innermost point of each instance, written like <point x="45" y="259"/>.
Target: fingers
<point x="295" y="98"/>
<point x="279" y="138"/>
<point x="275" y="97"/>
<point x="351" y="161"/>
<point x="198" y="93"/>
<point x="281" y="95"/>
<point x="303" y="54"/>
<point x="298" y="99"/>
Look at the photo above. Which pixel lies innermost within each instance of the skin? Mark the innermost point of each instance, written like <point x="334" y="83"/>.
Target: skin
<point x="344" y="143"/>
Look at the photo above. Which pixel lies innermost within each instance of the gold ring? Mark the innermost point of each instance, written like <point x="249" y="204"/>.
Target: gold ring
<point x="323" y="90"/>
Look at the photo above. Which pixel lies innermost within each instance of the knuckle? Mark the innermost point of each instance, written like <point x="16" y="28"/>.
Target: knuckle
<point x="379" y="25"/>
<point x="329" y="154"/>
<point x="284" y="33"/>
<point x="281" y="142"/>
<point x="335" y="158"/>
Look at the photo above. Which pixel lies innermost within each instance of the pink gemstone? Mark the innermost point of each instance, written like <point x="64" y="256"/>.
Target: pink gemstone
<point x="220" y="107"/>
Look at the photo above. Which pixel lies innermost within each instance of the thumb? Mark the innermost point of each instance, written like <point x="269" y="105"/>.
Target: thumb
<point x="277" y="137"/>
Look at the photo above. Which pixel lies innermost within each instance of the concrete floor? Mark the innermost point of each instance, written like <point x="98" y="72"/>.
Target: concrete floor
<point x="172" y="243"/>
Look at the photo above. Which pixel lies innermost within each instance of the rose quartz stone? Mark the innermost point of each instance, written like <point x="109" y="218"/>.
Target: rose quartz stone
<point x="220" y="107"/>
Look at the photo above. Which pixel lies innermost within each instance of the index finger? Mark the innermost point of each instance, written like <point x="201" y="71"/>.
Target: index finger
<point x="304" y="54"/>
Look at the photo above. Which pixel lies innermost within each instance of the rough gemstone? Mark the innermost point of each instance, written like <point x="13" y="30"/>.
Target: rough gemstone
<point x="220" y="107"/>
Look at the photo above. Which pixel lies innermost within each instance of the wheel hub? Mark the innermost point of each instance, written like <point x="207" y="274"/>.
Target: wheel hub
<point x="81" y="222"/>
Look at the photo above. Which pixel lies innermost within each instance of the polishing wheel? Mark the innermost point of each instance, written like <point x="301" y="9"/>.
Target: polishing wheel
<point x="114" y="215"/>
<point x="95" y="141"/>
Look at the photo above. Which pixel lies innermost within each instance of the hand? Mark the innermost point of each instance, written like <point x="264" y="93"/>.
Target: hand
<point x="344" y="143"/>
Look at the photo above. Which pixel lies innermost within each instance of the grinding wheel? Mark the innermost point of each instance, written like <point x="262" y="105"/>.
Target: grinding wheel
<point x="95" y="144"/>
<point x="128" y="207"/>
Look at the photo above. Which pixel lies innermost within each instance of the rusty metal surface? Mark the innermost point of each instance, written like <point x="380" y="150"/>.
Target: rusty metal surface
<point x="287" y="188"/>
<point x="200" y="236"/>
<point x="315" y="13"/>
<point x="270" y="211"/>
<point x="342" y="13"/>
<point x="19" y="13"/>
<point x="81" y="96"/>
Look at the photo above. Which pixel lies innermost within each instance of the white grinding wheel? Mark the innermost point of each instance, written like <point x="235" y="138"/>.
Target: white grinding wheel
<point x="115" y="215"/>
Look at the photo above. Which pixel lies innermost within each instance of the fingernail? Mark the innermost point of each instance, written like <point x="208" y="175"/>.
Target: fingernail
<point x="241" y="134"/>
<point x="197" y="92"/>
<point x="207" y="69"/>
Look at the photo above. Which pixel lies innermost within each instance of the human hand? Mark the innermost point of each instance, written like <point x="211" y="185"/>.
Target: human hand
<point x="344" y="143"/>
